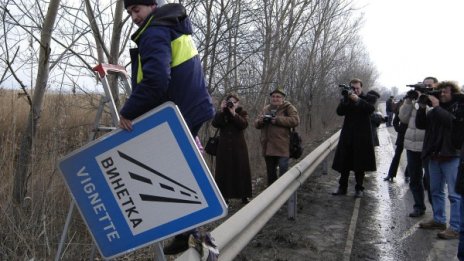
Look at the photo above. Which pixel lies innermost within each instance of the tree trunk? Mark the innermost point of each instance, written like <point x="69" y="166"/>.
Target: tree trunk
<point x="25" y="154"/>
<point x="115" y="49"/>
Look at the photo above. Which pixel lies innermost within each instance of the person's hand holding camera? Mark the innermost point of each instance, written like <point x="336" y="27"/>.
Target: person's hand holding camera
<point x="228" y="105"/>
<point x="353" y="97"/>
<point x="269" y="118"/>
<point x="412" y="95"/>
<point x="434" y="101"/>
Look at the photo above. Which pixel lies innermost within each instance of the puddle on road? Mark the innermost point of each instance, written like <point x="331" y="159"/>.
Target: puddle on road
<point x="389" y="201"/>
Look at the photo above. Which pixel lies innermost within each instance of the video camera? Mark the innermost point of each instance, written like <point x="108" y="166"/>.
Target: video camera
<point x="425" y="90"/>
<point x="346" y="90"/>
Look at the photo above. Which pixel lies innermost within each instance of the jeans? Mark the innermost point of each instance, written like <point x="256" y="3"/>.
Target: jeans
<point x="416" y="175"/>
<point x="461" y="234"/>
<point x="441" y="173"/>
<point x="359" y="176"/>
<point x="271" y="165"/>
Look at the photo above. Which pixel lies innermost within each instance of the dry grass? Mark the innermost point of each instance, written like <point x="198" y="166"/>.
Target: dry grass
<point x="33" y="230"/>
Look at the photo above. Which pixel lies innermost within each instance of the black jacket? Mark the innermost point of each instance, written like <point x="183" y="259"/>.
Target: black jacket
<point x="438" y="128"/>
<point x="389" y="105"/>
<point x="458" y="138"/>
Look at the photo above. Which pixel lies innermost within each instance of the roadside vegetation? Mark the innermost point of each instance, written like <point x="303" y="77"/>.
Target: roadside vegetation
<point x="49" y="93"/>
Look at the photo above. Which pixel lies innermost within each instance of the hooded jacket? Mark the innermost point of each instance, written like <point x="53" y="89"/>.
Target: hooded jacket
<point x="166" y="67"/>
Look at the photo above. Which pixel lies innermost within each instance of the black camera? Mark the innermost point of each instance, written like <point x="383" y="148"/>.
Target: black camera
<point x="412" y="94"/>
<point x="425" y="91"/>
<point x="346" y="90"/>
<point x="267" y="118"/>
<point x="229" y="104"/>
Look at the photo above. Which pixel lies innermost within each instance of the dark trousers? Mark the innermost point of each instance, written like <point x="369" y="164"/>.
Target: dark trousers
<point x="425" y="165"/>
<point x="416" y="182"/>
<point x="395" y="161"/>
<point x="389" y="119"/>
<point x="359" y="176"/>
<point x="271" y="165"/>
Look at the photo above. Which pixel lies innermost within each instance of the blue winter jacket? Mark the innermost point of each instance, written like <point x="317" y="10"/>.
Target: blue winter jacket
<point x="166" y="67"/>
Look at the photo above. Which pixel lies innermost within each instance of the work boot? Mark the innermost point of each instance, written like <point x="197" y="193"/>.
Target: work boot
<point x="178" y="245"/>
<point x="448" y="234"/>
<point x="432" y="224"/>
<point x="339" y="192"/>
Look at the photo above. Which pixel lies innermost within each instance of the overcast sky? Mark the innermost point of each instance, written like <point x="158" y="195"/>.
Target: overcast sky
<point x="410" y="39"/>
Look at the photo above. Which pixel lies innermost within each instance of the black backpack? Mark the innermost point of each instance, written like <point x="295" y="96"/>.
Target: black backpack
<point x="296" y="150"/>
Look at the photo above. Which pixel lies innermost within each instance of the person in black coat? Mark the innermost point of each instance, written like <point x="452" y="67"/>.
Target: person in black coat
<point x="232" y="173"/>
<point x="400" y="128"/>
<point x="355" y="150"/>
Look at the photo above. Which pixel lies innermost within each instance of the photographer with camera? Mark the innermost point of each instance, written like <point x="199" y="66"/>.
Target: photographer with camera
<point x="275" y="122"/>
<point x="355" y="140"/>
<point x="443" y="158"/>
<point x="413" y="142"/>
<point x="232" y="174"/>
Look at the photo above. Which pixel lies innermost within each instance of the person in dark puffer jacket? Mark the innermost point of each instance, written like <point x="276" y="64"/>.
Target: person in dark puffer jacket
<point x="166" y="67"/>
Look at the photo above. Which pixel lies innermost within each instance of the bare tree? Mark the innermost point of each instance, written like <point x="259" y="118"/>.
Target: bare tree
<point x="22" y="170"/>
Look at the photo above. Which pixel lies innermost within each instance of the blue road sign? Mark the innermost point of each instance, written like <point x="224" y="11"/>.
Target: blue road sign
<point x="139" y="187"/>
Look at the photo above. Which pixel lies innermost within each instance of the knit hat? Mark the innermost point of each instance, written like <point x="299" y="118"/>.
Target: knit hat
<point x="128" y="3"/>
<point x="278" y="90"/>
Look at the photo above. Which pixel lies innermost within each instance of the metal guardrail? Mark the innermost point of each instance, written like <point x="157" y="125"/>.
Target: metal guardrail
<point x="237" y="231"/>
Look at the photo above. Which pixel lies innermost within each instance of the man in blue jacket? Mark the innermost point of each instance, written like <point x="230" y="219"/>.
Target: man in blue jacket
<point x="165" y="67"/>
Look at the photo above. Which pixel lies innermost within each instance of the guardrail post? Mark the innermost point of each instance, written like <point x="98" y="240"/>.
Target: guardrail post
<point x="159" y="255"/>
<point x="292" y="206"/>
<point x="325" y="167"/>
